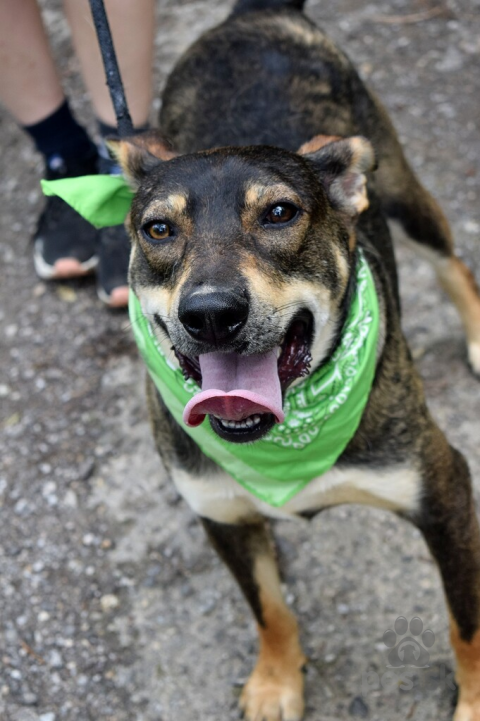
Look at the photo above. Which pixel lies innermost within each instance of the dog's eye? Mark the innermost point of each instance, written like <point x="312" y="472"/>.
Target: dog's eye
<point x="280" y="214"/>
<point x="157" y="230"/>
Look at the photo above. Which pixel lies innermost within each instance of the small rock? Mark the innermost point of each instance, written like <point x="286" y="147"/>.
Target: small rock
<point x="70" y="499"/>
<point x="11" y="330"/>
<point x="50" y="487"/>
<point x="47" y="717"/>
<point x="21" y="507"/>
<point x="109" y="602"/>
<point x="29" y="698"/>
<point x="85" y="470"/>
<point x="38" y="290"/>
<point x="89" y="539"/>
<point x="54" y="659"/>
<point x="358" y="708"/>
<point x="471" y="226"/>
<point x="207" y="607"/>
<point x="451" y="61"/>
<point x="12" y="420"/>
<point x="66" y="294"/>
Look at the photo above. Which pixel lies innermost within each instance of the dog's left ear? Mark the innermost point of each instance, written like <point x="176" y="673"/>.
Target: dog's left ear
<point x="341" y="165"/>
<point x="139" y="154"/>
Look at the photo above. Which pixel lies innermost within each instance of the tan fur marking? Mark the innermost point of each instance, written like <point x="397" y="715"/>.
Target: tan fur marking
<point x="352" y="241"/>
<point x="128" y="151"/>
<point x="286" y="298"/>
<point x="307" y="35"/>
<point x="467" y="675"/>
<point x="121" y="150"/>
<point x="268" y="289"/>
<point x="275" y="688"/>
<point x="152" y="142"/>
<point x="317" y="142"/>
<point x="177" y="202"/>
<point x="363" y="156"/>
<point x="257" y="194"/>
<point x="163" y="301"/>
<point x="254" y="194"/>
<point x="171" y="208"/>
<point x="342" y="265"/>
<point x="360" y="199"/>
<point x="458" y="281"/>
<point x="157" y="298"/>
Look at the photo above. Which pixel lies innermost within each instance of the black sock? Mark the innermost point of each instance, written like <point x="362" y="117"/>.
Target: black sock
<point x="60" y="136"/>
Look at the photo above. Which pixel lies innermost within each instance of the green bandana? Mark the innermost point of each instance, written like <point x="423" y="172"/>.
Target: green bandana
<point x="103" y="200"/>
<point x="322" y="412"/>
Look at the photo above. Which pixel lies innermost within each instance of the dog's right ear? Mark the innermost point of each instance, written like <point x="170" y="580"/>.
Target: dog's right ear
<point x="139" y="154"/>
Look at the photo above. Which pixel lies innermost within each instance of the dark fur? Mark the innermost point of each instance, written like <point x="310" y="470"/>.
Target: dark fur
<point x="269" y="77"/>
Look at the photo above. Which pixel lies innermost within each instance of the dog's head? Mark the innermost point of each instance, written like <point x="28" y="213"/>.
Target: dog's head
<point x="241" y="260"/>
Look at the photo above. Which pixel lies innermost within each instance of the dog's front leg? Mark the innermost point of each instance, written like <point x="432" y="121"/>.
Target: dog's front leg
<point x="274" y="691"/>
<point x="450" y="527"/>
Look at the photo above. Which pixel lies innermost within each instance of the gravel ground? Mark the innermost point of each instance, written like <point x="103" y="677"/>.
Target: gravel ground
<point x="113" y="606"/>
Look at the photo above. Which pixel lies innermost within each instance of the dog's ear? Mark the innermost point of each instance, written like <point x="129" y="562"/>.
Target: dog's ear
<point x="341" y="165"/>
<point x="139" y="154"/>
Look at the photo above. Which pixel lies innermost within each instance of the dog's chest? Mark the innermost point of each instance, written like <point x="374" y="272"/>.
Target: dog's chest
<point x="220" y="498"/>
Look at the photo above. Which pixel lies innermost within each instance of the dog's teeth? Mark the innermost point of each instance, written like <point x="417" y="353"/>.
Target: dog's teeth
<point x="246" y="423"/>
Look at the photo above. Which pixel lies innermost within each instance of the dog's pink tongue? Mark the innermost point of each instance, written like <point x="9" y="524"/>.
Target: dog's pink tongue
<point x="235" y="387"/>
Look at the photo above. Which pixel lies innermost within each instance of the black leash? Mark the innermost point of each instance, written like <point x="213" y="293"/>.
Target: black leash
<point x="112" y="71"/>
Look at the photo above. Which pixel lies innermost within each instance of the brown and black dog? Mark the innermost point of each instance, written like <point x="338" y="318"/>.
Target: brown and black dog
<point x="247" y="224"/>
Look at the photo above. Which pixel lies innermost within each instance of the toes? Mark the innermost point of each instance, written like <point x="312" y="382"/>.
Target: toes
<point x="271" y="704"/>
<point x="68" y="268"/>
<point x="119" y="297"/>
<point x="474" y="357"/>
<point x="467" y="711"/>
<point x="462" y="713"/>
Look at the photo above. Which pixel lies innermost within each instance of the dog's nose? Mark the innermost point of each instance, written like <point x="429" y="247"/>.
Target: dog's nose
<point x="214" y="317"/>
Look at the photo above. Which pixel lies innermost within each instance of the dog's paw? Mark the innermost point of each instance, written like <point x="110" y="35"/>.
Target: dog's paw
<point x="272" y="696"/>
<point x="474" y="358"/>
<point x="467" y="710"/>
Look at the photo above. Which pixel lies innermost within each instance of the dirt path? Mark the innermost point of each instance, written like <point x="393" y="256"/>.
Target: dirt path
<point x="113" y="607"/>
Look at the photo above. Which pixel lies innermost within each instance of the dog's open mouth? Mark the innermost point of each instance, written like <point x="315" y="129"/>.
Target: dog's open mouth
<point x="243" y="394"/>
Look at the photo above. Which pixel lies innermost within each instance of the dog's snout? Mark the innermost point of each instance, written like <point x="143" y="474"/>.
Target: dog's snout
<point x="215" y="317"/>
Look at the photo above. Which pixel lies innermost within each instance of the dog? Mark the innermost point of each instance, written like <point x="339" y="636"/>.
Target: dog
<point x="265" y="297"/>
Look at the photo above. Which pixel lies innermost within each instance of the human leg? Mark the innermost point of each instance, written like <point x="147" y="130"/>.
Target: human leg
<point x="132" y="26"/>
